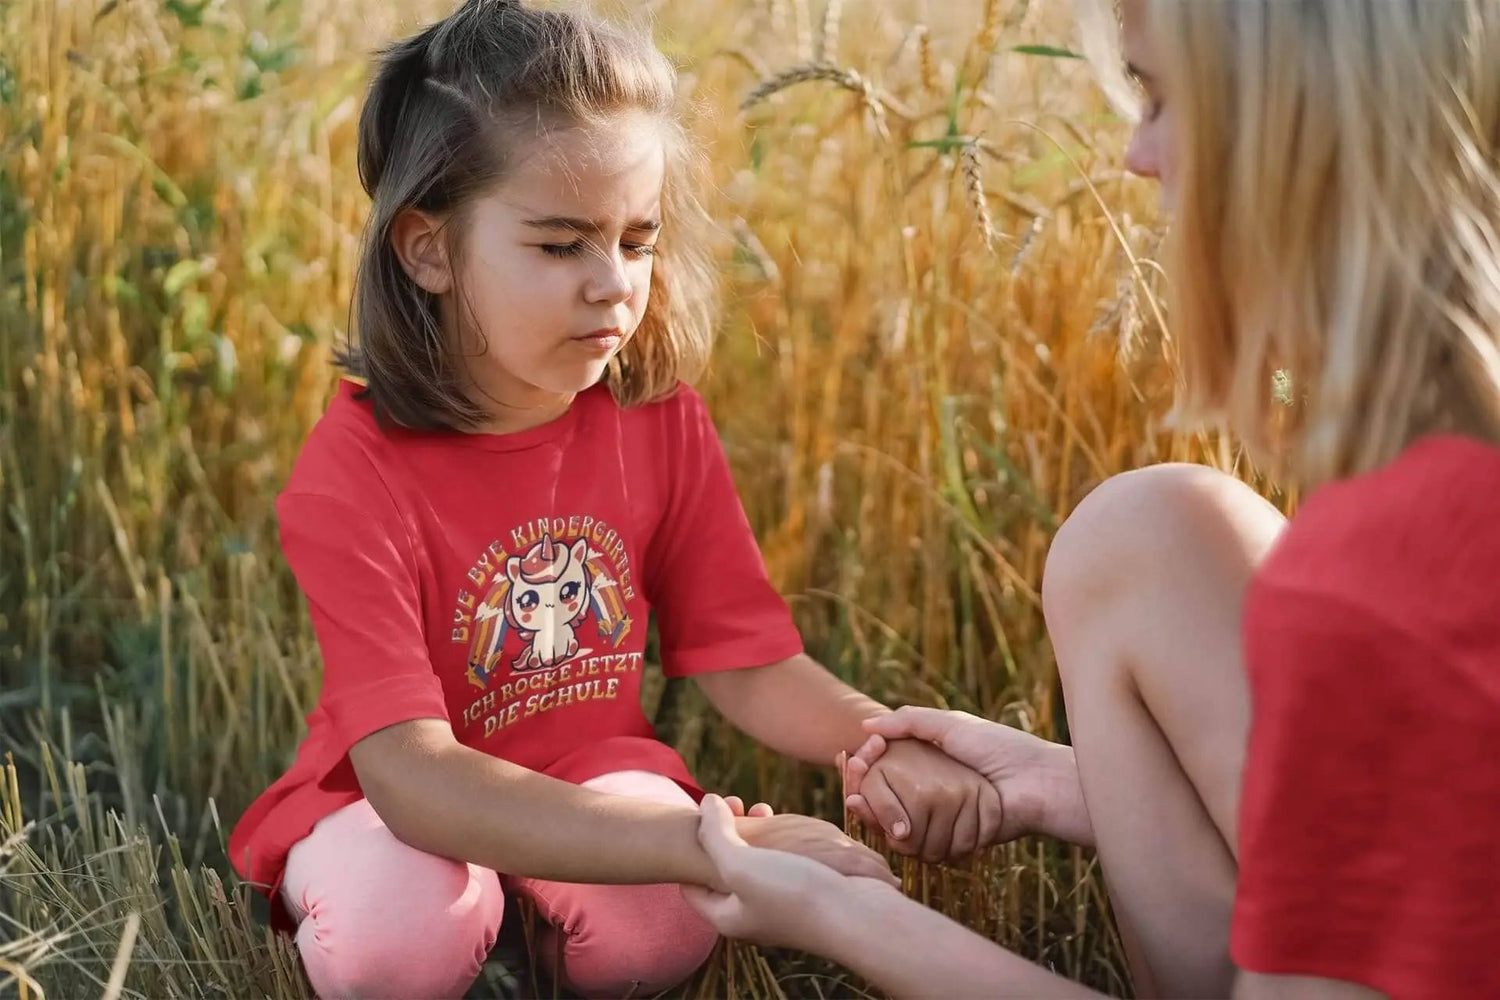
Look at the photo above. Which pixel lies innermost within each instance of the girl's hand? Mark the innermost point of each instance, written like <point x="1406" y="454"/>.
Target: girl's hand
<point x="927" y="804"/>
<point x="737" y="807"/>
<point x="769" y="896"/>
<point x="1036" y="781"/>
<point x="814" y="839"/>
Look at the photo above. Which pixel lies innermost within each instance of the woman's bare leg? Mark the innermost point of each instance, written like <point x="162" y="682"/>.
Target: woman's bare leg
<point x="1143" y="593"/>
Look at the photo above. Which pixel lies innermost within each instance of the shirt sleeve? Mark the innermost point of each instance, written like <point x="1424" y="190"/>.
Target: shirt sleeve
<point x="358" y="572"/>
<point x="1370" y="799"/>
<point x="716" y="608"/>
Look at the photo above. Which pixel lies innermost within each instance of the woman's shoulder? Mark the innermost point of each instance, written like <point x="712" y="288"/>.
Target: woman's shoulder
<point x="1418" y="536"/>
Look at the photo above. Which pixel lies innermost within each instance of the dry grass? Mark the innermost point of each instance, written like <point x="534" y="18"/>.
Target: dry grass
<point x="938" y="340"/>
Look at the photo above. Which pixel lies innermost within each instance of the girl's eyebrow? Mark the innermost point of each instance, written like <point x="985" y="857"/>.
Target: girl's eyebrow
<point x="589" y="226"/>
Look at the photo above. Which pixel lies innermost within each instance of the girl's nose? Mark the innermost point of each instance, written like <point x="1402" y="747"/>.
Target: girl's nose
<point x="608" y="282"/>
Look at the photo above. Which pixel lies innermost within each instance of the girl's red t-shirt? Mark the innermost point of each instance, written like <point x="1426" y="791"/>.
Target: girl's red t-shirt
<point x="504" y="583"/>
<point x="1369" y="832"/>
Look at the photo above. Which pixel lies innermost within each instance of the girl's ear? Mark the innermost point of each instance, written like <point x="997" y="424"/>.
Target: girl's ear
<point x="418" y="241"/>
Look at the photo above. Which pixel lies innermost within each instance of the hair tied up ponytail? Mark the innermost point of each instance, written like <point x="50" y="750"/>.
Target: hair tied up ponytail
<point x="402" y="69"/>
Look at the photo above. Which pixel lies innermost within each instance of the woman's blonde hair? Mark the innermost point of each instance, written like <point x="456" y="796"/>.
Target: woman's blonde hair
<point x="1337" y="220"/>
<point x="446" y="112"/>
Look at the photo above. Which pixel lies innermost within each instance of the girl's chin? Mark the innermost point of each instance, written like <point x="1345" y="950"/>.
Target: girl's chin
<point x="579" y="379"/>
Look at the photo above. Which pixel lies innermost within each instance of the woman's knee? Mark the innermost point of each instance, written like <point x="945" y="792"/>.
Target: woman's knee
<point x="645" y="941"/>
<point x="1129" y="532"/>
<point x="424" y="933"/>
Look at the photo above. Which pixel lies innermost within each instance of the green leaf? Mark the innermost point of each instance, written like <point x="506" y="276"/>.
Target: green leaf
<point x="182" y="274"/>
<point x="227" y="363"/>
<point x="1047" y="51"/>
<point x="190" y="14"/>
<point x="195" y="318"/>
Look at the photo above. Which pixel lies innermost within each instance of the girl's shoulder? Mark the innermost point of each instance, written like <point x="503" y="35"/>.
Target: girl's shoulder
<point x="341" y="455"/>
<point x="683" y="402"/>
<point x="679" y="419"/>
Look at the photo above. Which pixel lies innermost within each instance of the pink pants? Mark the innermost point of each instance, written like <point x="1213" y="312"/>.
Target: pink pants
<point x="376" y="918"/>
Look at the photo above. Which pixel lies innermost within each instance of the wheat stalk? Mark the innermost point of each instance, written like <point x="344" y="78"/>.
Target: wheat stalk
<point x="925" y="65"/>
<point x="968" y="158"/>
<point x="828" y="35"/>
<point x="879" y="103"/>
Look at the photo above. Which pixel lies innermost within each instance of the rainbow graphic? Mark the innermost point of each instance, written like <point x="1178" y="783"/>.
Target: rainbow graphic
<point x="607" y="601"/>
<point x="490" y="629"/>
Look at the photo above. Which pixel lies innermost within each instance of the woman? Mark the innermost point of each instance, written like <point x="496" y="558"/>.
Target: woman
<point x="1284" y="733"/>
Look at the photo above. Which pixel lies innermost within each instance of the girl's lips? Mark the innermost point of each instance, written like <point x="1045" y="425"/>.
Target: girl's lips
<point x="600" y="340"/>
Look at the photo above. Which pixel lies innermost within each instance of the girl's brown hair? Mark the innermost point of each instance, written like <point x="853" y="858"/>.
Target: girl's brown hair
<point x="446" y="111"/>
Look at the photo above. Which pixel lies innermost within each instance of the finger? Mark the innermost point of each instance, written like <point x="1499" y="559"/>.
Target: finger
<point x="890" y="815"/>
<point x="716" y="831"/>
<point x="856" y="772"/>
<point x="991" y="817"/>
<point x="854" y="775"/>
<point x="862" y="862"/>
<point x="937" y="837"/>
<point x="736" y="804"/>
<point x="760" y="809"/>
<point x="930" y="724"/>
<point x="872" y="750"/>
<point x="965" y="829"/>
<point x="719" y="909"/>
<point x="861" y="809"/>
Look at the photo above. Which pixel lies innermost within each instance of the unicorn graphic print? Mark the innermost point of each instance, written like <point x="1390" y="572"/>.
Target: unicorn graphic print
<point x="549" y="594"/>
<point x="544" y="596"/>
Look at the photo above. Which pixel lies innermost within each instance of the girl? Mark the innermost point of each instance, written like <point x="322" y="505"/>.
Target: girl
<point x="483" y="528"/>
<point x="1285" y="733"/>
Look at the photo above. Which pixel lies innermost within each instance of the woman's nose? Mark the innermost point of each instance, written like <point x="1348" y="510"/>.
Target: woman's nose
<point x="1142" y="156"/>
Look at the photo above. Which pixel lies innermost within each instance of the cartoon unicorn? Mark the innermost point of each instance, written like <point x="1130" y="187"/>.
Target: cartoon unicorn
<point x="549" y="593"/>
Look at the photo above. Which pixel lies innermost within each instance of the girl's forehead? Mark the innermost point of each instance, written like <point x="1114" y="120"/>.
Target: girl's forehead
<point x="616" y="167"/>
<point x="615" y="146"/>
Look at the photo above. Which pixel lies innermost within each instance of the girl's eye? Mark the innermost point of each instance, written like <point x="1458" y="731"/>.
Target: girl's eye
<point x="1153" y="109"/>
<point x="574" y="249"/>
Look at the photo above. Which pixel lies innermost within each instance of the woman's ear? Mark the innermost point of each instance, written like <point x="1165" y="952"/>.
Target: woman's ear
<point x="422" y="250"/>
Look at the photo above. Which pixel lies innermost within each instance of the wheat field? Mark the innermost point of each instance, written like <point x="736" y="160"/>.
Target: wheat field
<point x="941" y="331"/>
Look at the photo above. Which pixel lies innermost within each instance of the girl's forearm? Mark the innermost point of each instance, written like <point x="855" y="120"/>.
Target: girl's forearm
<point x="795" y="707"/>
<point x="907" y="950"/>
<point x="457" y="802"/>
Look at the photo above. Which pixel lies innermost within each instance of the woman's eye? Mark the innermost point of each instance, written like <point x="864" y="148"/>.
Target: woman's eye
<point x="1153" y="109"/>
<point x="638" y="249"/>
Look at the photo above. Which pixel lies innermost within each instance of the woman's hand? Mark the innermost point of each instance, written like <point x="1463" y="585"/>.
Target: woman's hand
<point x="769" y="896"/>
<point x="1036" y="781"/>
<point x="812" y="839"/>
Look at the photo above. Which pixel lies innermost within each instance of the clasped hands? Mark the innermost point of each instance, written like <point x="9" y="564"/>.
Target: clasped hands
<point x="938" y="785"/>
